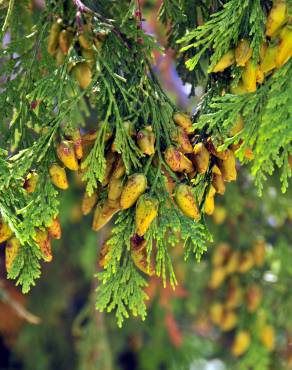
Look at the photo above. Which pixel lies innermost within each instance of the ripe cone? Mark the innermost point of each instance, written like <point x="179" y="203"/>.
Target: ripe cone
<point x="234" y="295"/>
<point x="249" y="76"/>
<point x="254" y="297"/>
<point x="119" y="169"/>
<point x="232" y="263"/>
<point x="30" y="182"/>
<point x="146" y="211"/>
<point x="183" y="120"/>
<point x="201" y="158"/>
<point x="76" y="138"/>
<point x="211" y="148"/>
<point x="103" y="214"/>
<point x="139" y="255"/>
<point x="11" y="251"/>
<point x="146" y="141"/>
<point x="217" y="277"/>
<point x="216" y="313"/>
<point x="115" y="188"/>
<point x="269" y="60"/>
<point x="181" y="137"/>
<point x="228" y="321"/>
<point x="220" y="254"/>
<point x="104" y="256"/>
<point x="5" y="231"/>
<point x="276" y="18"/>
<point x="246" y="262"/>
<point x="177" y="161"/>
<point x="268" y="337"/>
<point x="54" y="229"/>
<point x="218" y="181"/>
<point x="66" y="154"/>
<point x="134" y="187"/>
<point x="241" y="343"/>
<point x="88" y="202"/>
<point x="284" y="52"/>
<point x="186" y="201"/>
<point x="259" y="252"/>
<point x="209" y="205"/>
<point x="228" y="167"/>
<point x="42" y="238"/>
<point x="58" y="176"/>
<point x="226" y="61"/>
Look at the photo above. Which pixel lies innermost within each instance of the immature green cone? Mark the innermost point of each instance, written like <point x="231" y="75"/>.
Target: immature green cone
<point x="58" y="176"/>
<point x="177" y="161"/>
<point x="5" y="231"/>
<point x="183" y="120"/>
<point x="84" y="41"/>
<point x="201" y="158"/>
<point x="146" y="141"/>
<point x="134" y="187"/>
<point x="66" y="154"/>
<point x="228" y="167"/>
<point x="53" y="38"/>
<point x="82" y="72"/>
<point x="186" y="201"/>
<point x="65" y="40"/>
<point x="88" y="202"/>
<point x="146" y="211"/>
<point x="89" y="56"/>
<point x="11" y="252"/>
<point x="103" y="214"/>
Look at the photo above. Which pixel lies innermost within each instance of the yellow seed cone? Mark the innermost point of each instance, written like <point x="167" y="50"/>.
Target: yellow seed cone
<point x="146" y="211"/>
<point x="58" y="176"/>
<point x="134" y="187"/>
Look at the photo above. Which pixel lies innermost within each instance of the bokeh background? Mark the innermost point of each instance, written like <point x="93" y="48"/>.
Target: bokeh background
<point x="243" y="283"/>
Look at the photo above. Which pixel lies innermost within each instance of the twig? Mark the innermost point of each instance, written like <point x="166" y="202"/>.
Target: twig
<point x="8" y="15"/>
<point x="17" y="307"/>
<point x="139" y="12"/>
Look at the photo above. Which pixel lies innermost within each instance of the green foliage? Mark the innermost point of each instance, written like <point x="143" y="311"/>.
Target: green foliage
<point x="42" y="101"/>
<point x="122" y="291"/>
<point x="218" y="34"/>
<point x="267" y="124"/>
